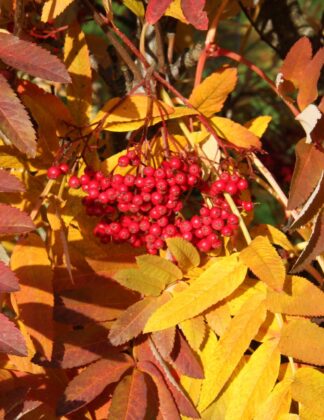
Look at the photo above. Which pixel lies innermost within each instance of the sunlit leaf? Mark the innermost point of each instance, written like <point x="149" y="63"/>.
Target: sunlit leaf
<point x="228" y="351"/>
<point x="140" y="281"/>
<point x="303" y="340"/>
<point x="218" y="317"/>
<point x="159" y="268"/>
<point x="193" y="11"/>
<point x="277" y="403"/>
<point x="217" y="282"/>
<point x="32" y="59"/>
<point x="258" y="125"/>
<point x="262" y="259"/>
<point x="275" y="236"/>
<point x="14" y="221"/>
<point x="53" y="8"/>
<point x="155" y="10"/>
<point x="10" y="183"/>
<point x="210" y="95"/>
<point x="184" y="252"/>
<point x="8" y="279"/>
<point x="194" y="330"/>
<point x="136" y="6"/>
<point x="164" y="341"/>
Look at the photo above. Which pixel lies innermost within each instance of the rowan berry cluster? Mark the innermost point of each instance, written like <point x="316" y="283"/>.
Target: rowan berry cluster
<point x="145" y="209"/>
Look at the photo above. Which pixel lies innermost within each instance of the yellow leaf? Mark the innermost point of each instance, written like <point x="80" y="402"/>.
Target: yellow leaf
<point x="192" y="387"/>
<point x="77" y="61"/>
<point x="231" y="347"/>
<point x="308" y="389"/>
<point x="254" y="383"/>
<point x="277" y="403"/>
<point x="210" y="95"/>
<point x="135" y="279"/>
<point x="217" y="282"/>
<point x="136" y="6"/>
<point x="175" y="11"/>
<point x="299" y="297"/>
<point x="219" y="317"/>
<point x="35" y="298"/>
<point x="235" y="133"/>
<point x="247" y="289"/>
<point x="194" y="330"/>
<point x="132" y="113"/>
<point x="184" y="252"/>
<point x="53" y="8"/>
<point x="158" y="267"/>
<point x="275" y="236"/>
<point x="258" y="125"/>
<point x="303" y="340"/>
<point x="263" y="260"/>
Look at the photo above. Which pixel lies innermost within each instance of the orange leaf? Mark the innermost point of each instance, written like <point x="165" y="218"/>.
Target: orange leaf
<point x="8" y="279"/>
<point x="11" y="340"/>
<point x="91" y="382"/>
<point x="164" y="341"/>
<point x="129" y="400"/>
<point x="10" y="183"/>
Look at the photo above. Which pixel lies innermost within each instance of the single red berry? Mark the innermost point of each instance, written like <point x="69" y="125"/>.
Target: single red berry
<point x="175" y="191"/>
<point x="199" y="233"/>
<point x="196" y="222"/>
<point x="114" y="228"/>
<point x="54" y="172"/>
<point x="156" y="198"/>
<point x="215" y="212"/>
<point x="74" y="182"/>
<point x="93" y="184"/>
<point x="194" y="169"/>
<point x="99" y="176"/>
<point x="181" y="178"/>
<point x="206" y="220"/>
<point x="175" y="163"/>
<point x="170" y="231"/>
<point x="185" y="226"/>
<point x="247" y="205"/>
<point x="124" y="234"/>
<point x="204" y="211"/>
<point x="139" y="182"/>
<point x="233" y="219"/>
<point x="144" y="225"/>
<point x="131" y="154"/>
<point x="218" y="224"/>
<point x="225" y="176"/>
<point x="192" y="180"/>
<point x="117" y="179"/>
<point x="161" y="185"/>
<point x="129" y="180"/>
<point x="231" y="188"/>
<point x="227" y="231"/>
<point x="204" y="245"/>
<point x="103" y="198"/>
<point x="149" y="171"/>
<point x="187" y="236"/>
<point x="155" y="230"/>
<point x="235" y="177"/>
<point x="93" y="193"/>
<point x="105" y="183"/>
<point x="159" y="243"/>
<point x="163" y="221"/>
<point x="242" y="184"/>
<point x="160" y="173"/>
<point x="64" y="167"/>
<point x="133" y="227"/>
<point x="123" y="161"/>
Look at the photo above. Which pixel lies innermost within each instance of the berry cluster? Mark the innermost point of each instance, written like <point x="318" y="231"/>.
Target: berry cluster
<point x="56" y="171"/>
<point x="145" y="209"/>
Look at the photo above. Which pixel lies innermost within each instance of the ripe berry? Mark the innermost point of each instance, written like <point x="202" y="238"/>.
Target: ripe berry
<point x="204" y="245"/>
<point x="123" y="161"/>
<point x="149" y="171"/>
<point x="74" y="182"/>
<point x="218" y="224"/>
<point x="196" y="222"/>
<point x="204" y="211"/>
<point x="64" y="168"/>
<point x="194" y="169"/>
<point x="242" y="184"/>
<point x="227" y="231"/>
<point x="233" y="219"/>
<point x="175" y="163"/>
<point x="187" y="236"/>
<point x="231" y="188"/>
<point x="247" y="205"/>
<point x="215" y="212"/>
<point x="93" y="193"/>
<point x="54" y="172"/>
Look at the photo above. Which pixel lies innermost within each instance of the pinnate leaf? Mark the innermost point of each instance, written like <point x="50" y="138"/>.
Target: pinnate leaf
<point x="8" y="279"/>
<point x="139" y="281"/>
<point x="210" y="95"/>
<point x="10" y="183"/>
<point x="254" y="382"/>
<point x="194" y="13"/>
<point x="308" y="389"/>
<point x="184" y="252"/>
<point x="315" y="245"/>
<point x="235" y="133"/>
<point x="14" y="221"/>
<point x="132" y="321"/>
<point x="217" y="282"/>
<point x="11" y="339"/>
<point x="303" y="340"/>
<point x="164" y="341"/>
<point x="277" y="403"/>
<point x="129" y="400"/>
<point x="307" y="172"/>
<point x="32" y="59"/>
<point x="258" y="125"/>
<point x="91" y="382"/>
<point x="298" y="57"/>
<point x="263" y="260"/>
<point x="155" y="10"/>
<point x="15" y="124"/>
<point x="299" y="297"/>
<point x="194" y="330"/>
<point x="227" y="352"/>
<point x="168" y="407"/>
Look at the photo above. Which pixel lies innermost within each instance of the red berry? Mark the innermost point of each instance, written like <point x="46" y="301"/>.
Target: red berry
<point x="187" y="236"/>
<point x="155" y="230"/>
<point x="231" y="188"/>
<point x="64" y="168"/>
<point x="103" y="198"/>
<point x="225" y="176"/>
<point x="74" y="182"/>
<point x="233" y="219"/>
<point x="124" y="234"/>
<point x="144" y="225"/>
<point x="181" y="178"/>
<point x="123" y="161"/>
<point x="149" y="171"/>
<point x="93" y="193"/>
<point x="242" y="184"/>
<point x="227" y="231"/>
<point x="215" y="212"/>
<point x="133" y="227"/>
<point x="159" y="244"/>
<point x="247" y="205"/>
<point x="156" y="198"/>
<point x="196" y="222"/>
<point x="54" y="172"/>
<point x="160" y="173"/>
<point x="204" y="211"/>
<point x="170" y="231"/>
<point x="175" y="163"/>
<point x="163" y="221"/>
<point x="129" y="180"/>
<point x="185" y="226"/>
<point x="204" y="245"/>
<point x="131" y="154"/>
<point x="194" y="169"/>
<point x="218" y="224"/>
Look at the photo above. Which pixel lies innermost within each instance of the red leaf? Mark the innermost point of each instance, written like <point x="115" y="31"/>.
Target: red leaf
<point x="194" y="13"/>
<point x="164" y="341"/>
<point x="8" y="279"/>
<point x="14" y="221"/>
<point x="11" y="339"/>
<point x="14" y="120"/>
<point x="81" y="347"/>
<point x="184" y="360"/>
<point x="129" y="400"/>
<point x="308" y="86"/>
<point x="315" y="245"/>
<point x="293" y="67"/>
<point x="32" y="59"/>
<point x="91" y="382"/>
<point x="155" y="10"/>
<point x="102" y="302"/>
<point x="308" y="169"/>
<point x="10" y="183"/>
<point x="168" y="407"/>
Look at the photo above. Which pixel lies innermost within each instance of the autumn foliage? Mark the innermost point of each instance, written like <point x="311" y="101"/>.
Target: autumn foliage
<point x="135" y="280"/>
